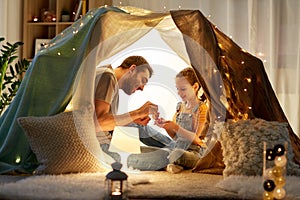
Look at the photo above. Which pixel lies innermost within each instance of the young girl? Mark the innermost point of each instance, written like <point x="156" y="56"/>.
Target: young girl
<point x="187" y="123"/>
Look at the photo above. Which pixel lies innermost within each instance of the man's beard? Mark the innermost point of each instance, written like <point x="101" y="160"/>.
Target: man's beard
<point x="129" y="86"/>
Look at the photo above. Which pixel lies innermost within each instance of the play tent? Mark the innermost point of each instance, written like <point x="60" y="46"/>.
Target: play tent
<point x="233" y="80"/>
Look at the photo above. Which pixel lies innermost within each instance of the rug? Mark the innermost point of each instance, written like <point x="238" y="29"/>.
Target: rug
<point x="250" y="187"/>
<point x="142" y="185"/>
<point x="90" y="186"/>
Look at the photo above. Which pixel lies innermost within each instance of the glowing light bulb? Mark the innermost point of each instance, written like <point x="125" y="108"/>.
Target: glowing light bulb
<point x="269" y="174"/>
<point x="248" y="80"/>
<point x="279" y="193"/>
<point x="280" y="181"/>
<point x="267" y="195"/>
<point x="260" y="54"/>
<point x="277" y="171"/>
<point x="280" y="161"/>
<point x="18" y="159"/>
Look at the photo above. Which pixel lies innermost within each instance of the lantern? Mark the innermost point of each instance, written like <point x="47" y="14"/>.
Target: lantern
<point x="116" y="183"/>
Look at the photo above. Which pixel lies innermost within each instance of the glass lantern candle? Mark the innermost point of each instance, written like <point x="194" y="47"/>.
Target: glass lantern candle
<point x="116" y="183"/>
<point x="274" y="171"/>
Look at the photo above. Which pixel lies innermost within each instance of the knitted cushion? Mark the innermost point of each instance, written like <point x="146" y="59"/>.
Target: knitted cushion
<point x="242" y="145"/>
<point x="64" y="143"/>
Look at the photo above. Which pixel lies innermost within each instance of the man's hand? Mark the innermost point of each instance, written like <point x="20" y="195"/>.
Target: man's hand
<point x="143" y="121"/>
<point x="148" y="109"/>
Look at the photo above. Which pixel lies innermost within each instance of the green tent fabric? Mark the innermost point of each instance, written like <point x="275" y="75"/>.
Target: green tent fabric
<point x="70" y="60"/>
<point x="46" y="90"/>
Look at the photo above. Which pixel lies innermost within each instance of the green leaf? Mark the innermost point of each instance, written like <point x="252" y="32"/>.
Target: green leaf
<point x="12" y="71"/>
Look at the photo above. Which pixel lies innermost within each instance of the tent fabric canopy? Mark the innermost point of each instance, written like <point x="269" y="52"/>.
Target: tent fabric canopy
<point x="62" y="72"/>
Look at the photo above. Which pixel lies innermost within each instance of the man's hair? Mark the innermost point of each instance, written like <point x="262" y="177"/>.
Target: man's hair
<point x="140" y="62"/>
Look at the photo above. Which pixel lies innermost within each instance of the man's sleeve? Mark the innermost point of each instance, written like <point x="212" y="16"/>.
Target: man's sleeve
<point x="105" y="88"/>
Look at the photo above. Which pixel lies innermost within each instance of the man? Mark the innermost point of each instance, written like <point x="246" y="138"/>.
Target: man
<point x="132" y="75"/>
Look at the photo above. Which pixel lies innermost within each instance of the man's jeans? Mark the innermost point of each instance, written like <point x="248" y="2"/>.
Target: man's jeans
<point x="150" y="158"/>
<point x="154" y="156"/>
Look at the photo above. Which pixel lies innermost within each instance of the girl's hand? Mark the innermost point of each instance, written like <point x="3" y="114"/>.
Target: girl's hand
<point x="166" y="124"/>
<point x="171" y="126"/>
<point x="159" y="122"/>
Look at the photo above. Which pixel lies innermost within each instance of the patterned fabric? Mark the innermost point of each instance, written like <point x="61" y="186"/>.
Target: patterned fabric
<point x="57" y="145"/>
<point x="242" y="145"/>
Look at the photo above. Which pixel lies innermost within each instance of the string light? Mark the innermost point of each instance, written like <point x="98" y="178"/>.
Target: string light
<point x="227" y="75"/>
<point x="76" y="29"/>
<point x="165" y="8"/>
<point x="248" y="80"/>
<point x="260" y="54"/>
<point x="18" y="159"/>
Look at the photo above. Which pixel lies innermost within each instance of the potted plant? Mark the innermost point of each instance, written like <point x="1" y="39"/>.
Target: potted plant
<point x="11" y="72"/>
